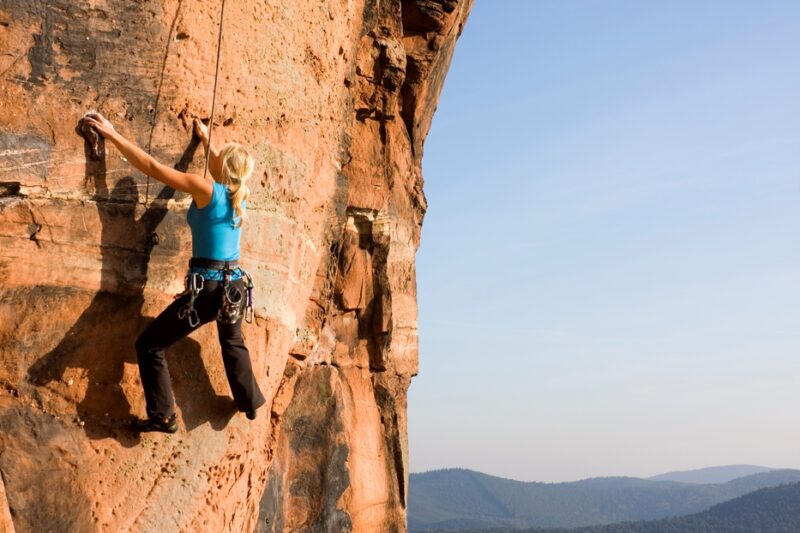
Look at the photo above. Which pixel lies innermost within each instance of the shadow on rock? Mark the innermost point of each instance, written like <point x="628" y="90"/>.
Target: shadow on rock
<point x="102" y="339"/>
<point x="198" y="401"/>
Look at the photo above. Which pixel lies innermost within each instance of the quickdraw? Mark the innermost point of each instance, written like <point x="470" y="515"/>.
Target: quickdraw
<point x="231" y="308"/>
<point x="248" y="308"/>
<point x="194" y="285"/>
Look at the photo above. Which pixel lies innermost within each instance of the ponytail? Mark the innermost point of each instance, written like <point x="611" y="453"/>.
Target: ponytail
<point x="237" y="167"/>
<point x="238" y="197"/>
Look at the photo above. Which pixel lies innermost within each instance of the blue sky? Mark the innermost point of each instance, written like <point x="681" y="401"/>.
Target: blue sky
<point x="609" y="273"/>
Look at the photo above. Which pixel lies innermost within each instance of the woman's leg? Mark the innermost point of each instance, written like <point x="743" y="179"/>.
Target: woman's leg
<point x="238" y="368"/>
<point x="165" y="330"/>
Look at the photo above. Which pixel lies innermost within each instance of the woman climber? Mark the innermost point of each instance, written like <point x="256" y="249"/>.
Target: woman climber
<point x="217" y="289"/>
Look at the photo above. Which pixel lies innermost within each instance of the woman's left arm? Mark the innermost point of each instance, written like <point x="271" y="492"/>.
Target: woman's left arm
<point x="145" y="163"/>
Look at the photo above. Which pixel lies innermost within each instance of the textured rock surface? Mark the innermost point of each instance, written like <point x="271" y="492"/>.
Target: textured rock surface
<point x="335" y="99"/>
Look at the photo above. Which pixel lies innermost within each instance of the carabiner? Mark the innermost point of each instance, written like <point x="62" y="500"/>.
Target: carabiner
<point x="194" y="319"/>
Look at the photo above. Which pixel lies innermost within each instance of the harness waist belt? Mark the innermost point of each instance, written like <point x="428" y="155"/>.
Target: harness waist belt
<point x="201" y="262"/>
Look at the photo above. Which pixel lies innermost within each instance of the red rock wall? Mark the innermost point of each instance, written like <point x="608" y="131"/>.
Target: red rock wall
<point x="334" y="99"/>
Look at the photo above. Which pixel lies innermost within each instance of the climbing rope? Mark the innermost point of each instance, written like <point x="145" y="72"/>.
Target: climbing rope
<point x="158" y="94"/>
<point x="213" y="97"/>
<point x="214" y="92"/>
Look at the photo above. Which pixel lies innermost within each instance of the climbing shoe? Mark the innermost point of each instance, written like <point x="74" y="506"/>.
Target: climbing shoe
<point x="165" y="425"/>
<point x="251" y="415"/>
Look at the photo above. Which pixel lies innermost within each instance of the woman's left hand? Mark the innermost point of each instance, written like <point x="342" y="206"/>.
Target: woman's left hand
<point x="100" y="123"/>
<point x="201" y="130"/>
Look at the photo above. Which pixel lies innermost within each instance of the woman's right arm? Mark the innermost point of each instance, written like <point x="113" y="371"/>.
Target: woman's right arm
<point x="214" y="163"/>
<point x="200" y="189"/>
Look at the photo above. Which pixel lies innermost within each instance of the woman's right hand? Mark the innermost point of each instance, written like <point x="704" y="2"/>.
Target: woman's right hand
<point x="100" y="123"/>
<point x="201" y="130"/>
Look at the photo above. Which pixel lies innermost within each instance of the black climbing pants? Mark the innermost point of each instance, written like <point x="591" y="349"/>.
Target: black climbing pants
<point x="167" y="328"/>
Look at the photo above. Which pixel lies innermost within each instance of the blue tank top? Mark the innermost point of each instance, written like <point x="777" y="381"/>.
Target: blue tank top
<point x="214" y="235"/>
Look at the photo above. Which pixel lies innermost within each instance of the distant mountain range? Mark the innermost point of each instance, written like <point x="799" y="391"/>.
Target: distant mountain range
<point x="460" y="499"/>
<point x="770" y="510"/>
<point x="714" y="474"/>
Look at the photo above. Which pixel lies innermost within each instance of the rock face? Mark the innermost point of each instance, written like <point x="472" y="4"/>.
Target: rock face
<point x="334" y="99"/>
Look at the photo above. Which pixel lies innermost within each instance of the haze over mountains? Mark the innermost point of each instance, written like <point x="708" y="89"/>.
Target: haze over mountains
<point x="465" y="499"/>
<point x="770" y="510"/>
<point x="712" y="474"/>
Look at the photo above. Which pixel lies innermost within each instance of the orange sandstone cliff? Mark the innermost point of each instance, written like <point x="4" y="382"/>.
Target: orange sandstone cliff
<point x="334" y="98"/>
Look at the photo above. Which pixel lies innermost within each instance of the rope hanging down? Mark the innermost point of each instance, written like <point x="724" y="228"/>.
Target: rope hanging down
<point x="158" y="95"/>
<point x="213" y="98"/>
<point x="214" y="93"/>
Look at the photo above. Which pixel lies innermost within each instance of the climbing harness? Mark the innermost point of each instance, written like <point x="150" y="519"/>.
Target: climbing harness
<point x="233" y="304"/>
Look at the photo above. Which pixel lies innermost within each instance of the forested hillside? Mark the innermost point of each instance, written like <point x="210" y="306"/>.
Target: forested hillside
<point x="458" y="498"/>
<point x="770" y="510"/>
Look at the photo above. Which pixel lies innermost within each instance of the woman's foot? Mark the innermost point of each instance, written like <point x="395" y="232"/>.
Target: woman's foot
<point x="165" y="425"/>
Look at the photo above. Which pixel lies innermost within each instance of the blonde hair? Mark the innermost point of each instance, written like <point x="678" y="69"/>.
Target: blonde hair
<point x="237" y="167"/>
